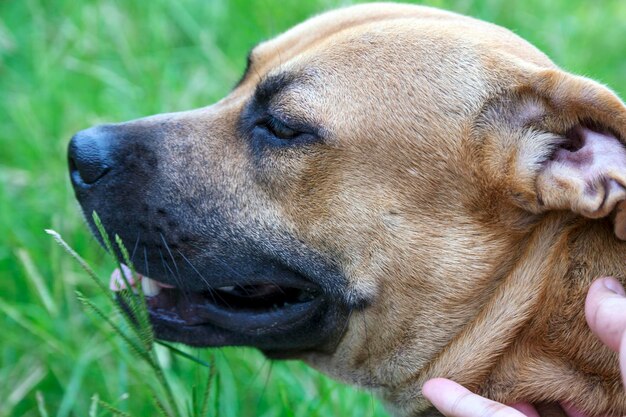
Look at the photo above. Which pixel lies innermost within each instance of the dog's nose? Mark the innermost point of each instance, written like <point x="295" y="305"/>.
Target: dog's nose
<point x="89" y="155"/>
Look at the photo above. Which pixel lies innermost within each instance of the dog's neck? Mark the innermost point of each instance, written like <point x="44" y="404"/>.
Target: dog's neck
<point x="540" y="298"/>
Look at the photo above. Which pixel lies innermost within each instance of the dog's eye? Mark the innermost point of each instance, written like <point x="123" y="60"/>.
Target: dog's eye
<point x="269" y="130"/>
<point x="279" y="129"/>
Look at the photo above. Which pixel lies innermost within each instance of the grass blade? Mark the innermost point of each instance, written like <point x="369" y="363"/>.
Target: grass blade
<point x="41" y="404"/>
<point x="141" y="312"/>
<point x="137" y="317"/>
<point x="204" y="409"/>
<point x="137" y="349"/>
<point x="24" y="384"/>
<point x="113" y="410"/>
<point x="142" y="343"/>
<point x="93" y="407"/>
<point x="90" y="272"/>
<point x="37" y="281"/>
<point x="184" y="354"/>
<point x="161" y="407"/>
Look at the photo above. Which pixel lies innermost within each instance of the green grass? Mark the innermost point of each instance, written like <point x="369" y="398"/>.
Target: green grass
<point x="66" y="65"/>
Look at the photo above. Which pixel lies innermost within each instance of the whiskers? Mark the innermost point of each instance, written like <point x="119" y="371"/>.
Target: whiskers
<point x="175" y="275"/>
<point x="175" y="272"/>
<point x="145" y="260"/>
<point x="242" y="278"/>
<point x="209" y="288"/>
<point x="134" y="252"/>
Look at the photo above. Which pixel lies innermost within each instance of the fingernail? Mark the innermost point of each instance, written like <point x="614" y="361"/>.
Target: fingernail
<point x="614" y="286"/>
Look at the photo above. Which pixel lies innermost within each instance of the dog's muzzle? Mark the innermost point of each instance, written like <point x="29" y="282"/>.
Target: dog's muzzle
<point x="213" y="281"/>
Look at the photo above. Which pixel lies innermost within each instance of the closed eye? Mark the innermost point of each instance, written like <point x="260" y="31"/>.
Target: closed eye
<point x="273" y="131"/>
<point x="278" y="128"/>
<point x="267" y="123"/>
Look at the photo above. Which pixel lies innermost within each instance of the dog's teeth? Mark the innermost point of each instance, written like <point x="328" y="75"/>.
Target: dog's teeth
<point x="150" y="287"/>
<point x="228" y="288"/>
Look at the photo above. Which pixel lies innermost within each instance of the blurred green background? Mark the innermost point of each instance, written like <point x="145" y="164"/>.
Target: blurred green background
<point x="67" y="65"/>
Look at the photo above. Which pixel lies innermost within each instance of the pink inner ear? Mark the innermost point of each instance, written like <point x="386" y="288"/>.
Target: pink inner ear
<point x="595" y="152"/>
<point x="590" y="180"/>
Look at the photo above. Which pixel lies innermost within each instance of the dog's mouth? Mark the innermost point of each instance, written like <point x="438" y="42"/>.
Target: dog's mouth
<point x="228" y="315"/>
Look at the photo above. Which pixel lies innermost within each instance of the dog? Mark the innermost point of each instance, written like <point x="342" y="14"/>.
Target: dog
<point x="390" y="193"/>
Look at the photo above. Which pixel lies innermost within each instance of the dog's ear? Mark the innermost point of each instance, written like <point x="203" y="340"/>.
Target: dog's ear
<point x="559" y="143"/>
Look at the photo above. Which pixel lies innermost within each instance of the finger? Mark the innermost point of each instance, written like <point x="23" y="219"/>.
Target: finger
<point x="453" y="400"/>
<point x="526" y="409"/>
<point x="605" y="310"/>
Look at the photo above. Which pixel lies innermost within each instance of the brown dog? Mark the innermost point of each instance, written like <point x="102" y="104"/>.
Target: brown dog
<point x="391" y="193"/>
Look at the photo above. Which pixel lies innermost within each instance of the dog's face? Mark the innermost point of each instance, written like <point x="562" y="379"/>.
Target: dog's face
<point x="358" y="196"/>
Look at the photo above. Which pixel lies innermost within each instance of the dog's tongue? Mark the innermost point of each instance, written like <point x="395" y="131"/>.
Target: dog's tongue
<point x="116" y="283"/>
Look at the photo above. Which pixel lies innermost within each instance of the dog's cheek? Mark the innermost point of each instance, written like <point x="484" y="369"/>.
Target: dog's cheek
<point x="340" y="220"/>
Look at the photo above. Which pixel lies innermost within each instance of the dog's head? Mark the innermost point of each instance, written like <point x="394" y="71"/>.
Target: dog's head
<point x="360" y="194"/>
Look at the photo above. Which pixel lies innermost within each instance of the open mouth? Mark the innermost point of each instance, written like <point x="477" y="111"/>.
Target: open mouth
<point x="244" y="308"/>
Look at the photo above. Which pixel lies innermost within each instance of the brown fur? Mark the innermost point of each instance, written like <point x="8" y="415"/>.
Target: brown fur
<point x="426" y="194"/>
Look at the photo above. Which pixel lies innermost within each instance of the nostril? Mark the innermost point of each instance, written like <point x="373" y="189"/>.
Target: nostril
<point x="74" y="174"/>
<point x="87" y="173"/>
<point x="89" y="156"/>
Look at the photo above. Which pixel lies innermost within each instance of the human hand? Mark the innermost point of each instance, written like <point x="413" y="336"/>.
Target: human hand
<point x="605" y="311"/>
